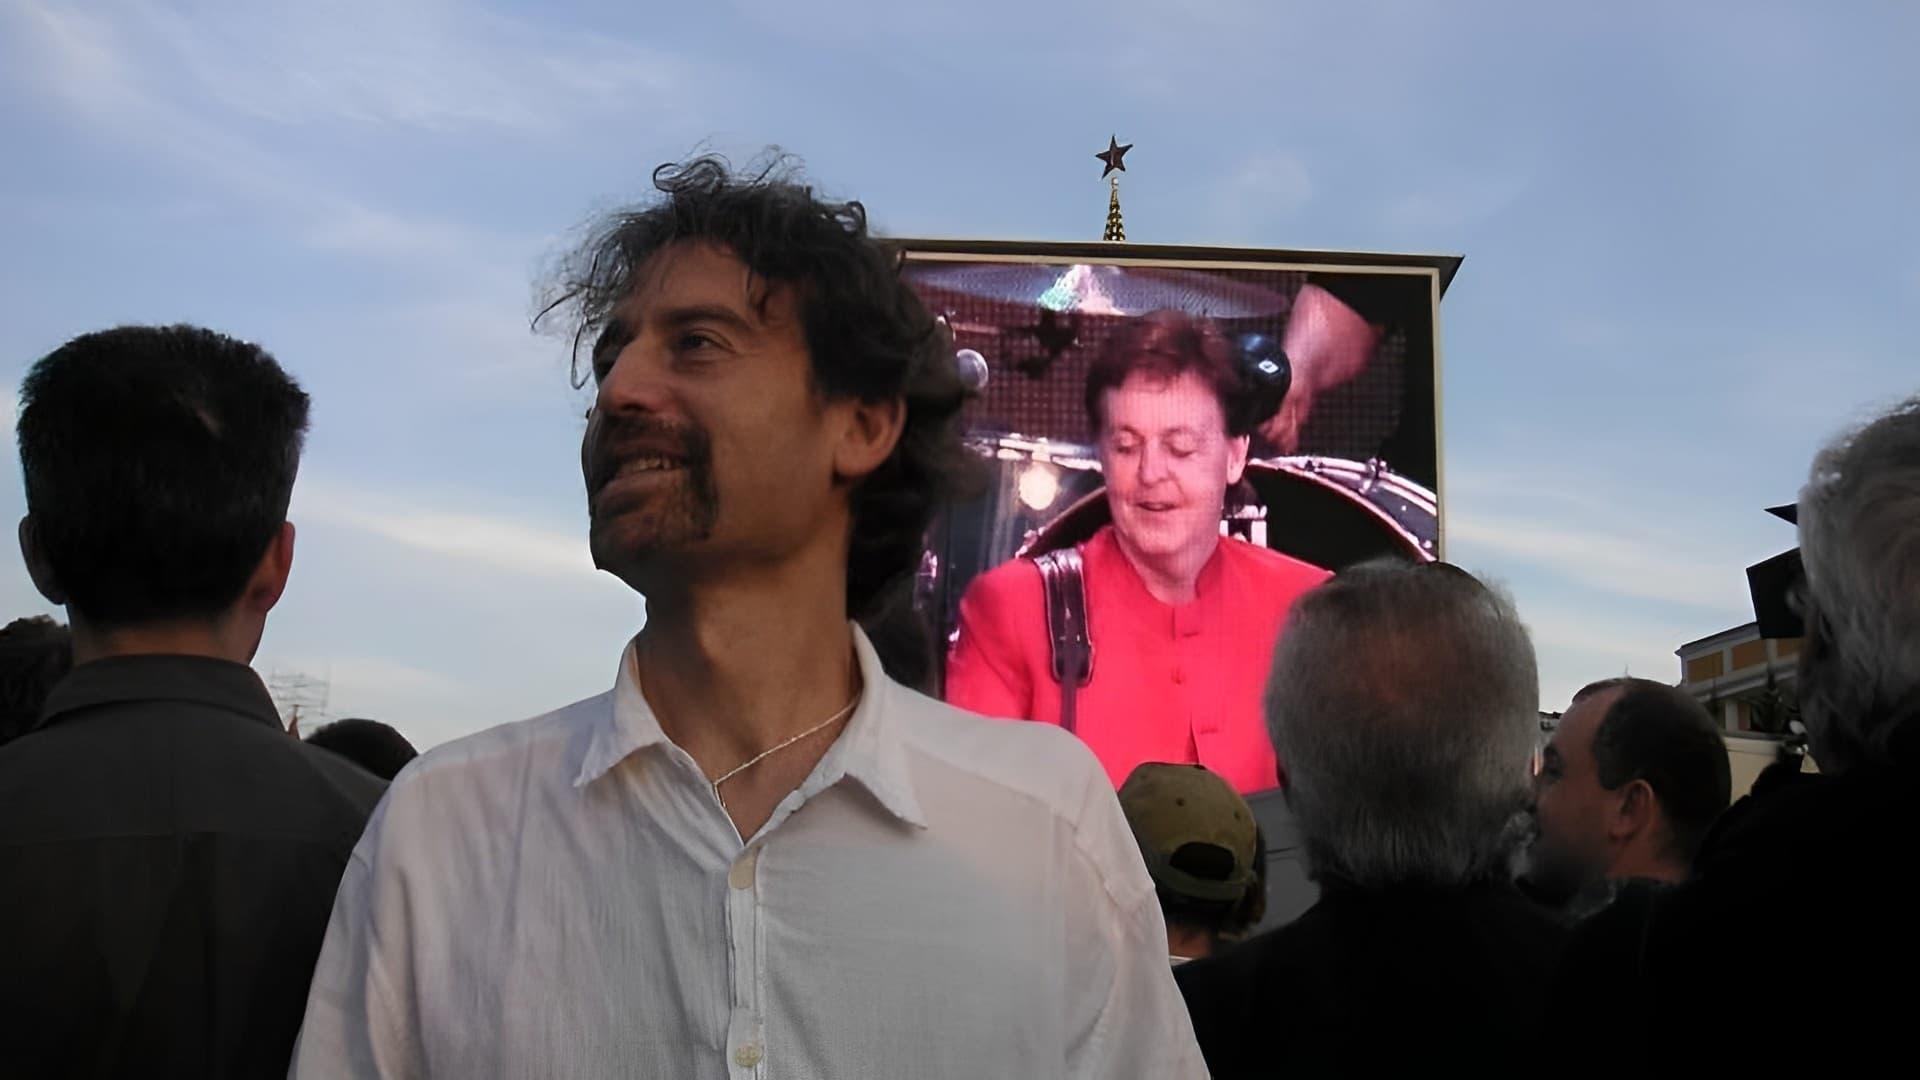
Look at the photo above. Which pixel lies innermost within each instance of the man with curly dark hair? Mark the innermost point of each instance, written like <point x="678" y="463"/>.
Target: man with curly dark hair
<point x="756" y="854"/>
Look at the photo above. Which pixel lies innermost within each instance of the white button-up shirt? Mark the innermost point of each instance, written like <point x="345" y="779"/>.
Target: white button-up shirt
<point x="944" y="896"/>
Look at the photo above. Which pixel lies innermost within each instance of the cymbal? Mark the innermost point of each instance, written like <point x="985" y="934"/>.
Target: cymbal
<point x="1087" y="289"/>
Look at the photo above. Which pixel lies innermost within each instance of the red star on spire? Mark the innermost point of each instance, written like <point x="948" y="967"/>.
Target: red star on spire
<point x="1112" y="155"/>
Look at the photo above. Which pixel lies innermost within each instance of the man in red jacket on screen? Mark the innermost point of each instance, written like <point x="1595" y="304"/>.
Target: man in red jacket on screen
<point x="1182" y="620"/>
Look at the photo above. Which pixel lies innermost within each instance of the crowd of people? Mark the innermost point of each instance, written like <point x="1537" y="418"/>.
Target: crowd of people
<point x="759" y="854"/>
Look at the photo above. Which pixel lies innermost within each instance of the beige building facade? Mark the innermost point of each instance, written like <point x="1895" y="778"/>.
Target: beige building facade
<point x="1749" y="684"/>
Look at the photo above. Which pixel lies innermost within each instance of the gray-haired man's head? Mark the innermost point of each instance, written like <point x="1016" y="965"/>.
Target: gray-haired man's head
<point x="1860" y="541"/>
<point x="1404" y="705"/>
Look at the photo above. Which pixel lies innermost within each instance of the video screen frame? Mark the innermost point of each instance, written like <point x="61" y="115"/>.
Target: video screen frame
<point x="1050" y="327"/>
<point x="1435" y="271"/>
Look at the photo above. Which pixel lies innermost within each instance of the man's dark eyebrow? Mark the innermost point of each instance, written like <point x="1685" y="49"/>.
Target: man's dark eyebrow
<point x="693" y="313"/>
<point x="621" y="328"/>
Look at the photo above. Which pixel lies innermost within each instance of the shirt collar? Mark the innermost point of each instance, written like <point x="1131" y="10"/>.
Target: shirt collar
<point x="1103" y="549"/>
<point x="870" y="750"/>
<point x="203" y="680"/>
<point x="626" y="727"/>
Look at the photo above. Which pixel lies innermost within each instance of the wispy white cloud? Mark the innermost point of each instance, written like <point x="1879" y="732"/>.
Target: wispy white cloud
<point x="1443" y="203"/>
<point x="1609" y="571"/>
<point x="1607" y="530"/>
<point x="429" y="65"/>
<point x="127" y="73"/>
<point x="95" y="63"/>
<point x="1265" y="187"/>
<point x="1593" y="330"/>
<point x="501" y="544"/>
<point x="1817" y="385"/>
<point x="443" y="613"/>
<point x="1610" y="558"/>
<point x="73" y="49"/>
<point x="219" y="91"/>
<point x="434" y="66"/>
<point x="1575" y="647"/>
<point x="354" y="228"/>
<point x="373" y="674"/>
<point x="484" y="335"/>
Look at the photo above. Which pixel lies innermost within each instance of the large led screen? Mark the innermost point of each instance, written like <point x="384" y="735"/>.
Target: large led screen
<point x="1180" y="442"/>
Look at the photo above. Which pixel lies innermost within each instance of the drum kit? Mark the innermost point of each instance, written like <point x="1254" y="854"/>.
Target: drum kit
<point x="1048" y="494"/>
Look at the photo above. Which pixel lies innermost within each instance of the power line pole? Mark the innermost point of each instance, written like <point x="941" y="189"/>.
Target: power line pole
<point x="301" y="699"/>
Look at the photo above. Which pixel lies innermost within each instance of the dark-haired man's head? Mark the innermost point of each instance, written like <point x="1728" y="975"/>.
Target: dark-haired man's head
<point x="1203" y="851"/>
<point x="1634" y="777"/>
<point x="768" y="387"/>
<point x="370" y="744"/>
<point x="159" y="462"/>
<point x="35" y="654"/>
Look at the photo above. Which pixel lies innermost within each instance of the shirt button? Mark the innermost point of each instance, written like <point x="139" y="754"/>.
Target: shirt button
<point x="740" y="876"/>
<point x="1179" y="676"/>
<point x="747" y="1055"/>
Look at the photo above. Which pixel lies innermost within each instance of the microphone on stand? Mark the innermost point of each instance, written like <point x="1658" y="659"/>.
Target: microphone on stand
<point x="1265" y="377"/>
<point x="973" y="370"/>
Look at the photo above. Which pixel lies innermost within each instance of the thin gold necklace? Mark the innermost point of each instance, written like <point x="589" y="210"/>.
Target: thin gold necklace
<point x="777" y="747"/>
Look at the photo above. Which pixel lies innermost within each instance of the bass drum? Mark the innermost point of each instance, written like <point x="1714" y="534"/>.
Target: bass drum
<point x="1330" y="512"/>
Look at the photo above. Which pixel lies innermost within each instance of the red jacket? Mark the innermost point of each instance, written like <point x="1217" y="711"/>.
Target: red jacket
<point x="1181" y="684"/>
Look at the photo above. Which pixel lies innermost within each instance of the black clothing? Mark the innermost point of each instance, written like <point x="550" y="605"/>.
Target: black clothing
<point x="168" y="859"/>
<point x="1799" y="916"/>
<point x="1598" y="987"/>
<point x="1377" y="983"/>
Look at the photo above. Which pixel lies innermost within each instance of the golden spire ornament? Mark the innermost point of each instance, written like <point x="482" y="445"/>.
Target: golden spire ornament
<point x="1114" y="159"/>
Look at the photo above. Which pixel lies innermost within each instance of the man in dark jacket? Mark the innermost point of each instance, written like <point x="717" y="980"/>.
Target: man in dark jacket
<point x="1404" y="701"/>
<point x="1800" y="907"/>
<point x="169" y="853"/>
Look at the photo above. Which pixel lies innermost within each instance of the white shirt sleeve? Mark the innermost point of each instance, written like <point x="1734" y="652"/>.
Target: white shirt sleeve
<point x="360" y="1020"/>
<point x="1138" y="1027"/>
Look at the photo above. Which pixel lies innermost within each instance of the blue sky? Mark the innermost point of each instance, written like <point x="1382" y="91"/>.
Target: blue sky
<point x="1692" y="252"/>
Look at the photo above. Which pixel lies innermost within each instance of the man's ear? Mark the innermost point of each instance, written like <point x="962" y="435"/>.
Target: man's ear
<point x="269" y="579"/>
<point x="873" y="430"/>
<point x="38" y="568"/>
<point x="1636" y="813"/>
<point x="1238" y="448"/>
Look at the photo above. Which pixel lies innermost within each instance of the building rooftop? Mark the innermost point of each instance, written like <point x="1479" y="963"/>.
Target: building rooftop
<point x="1735" y="633"/>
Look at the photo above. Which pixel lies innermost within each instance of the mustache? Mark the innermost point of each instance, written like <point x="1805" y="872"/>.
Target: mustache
<point x="614" y="440"/>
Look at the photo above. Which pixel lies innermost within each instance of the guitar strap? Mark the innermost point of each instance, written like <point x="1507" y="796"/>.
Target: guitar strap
<point x="1064" y="578"/>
